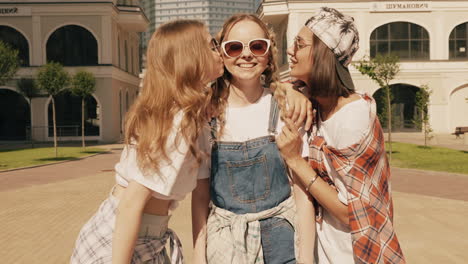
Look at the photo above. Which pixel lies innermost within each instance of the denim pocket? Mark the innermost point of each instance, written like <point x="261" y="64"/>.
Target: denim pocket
<point x="249" y="179"/>
<point x="278" y="241"/>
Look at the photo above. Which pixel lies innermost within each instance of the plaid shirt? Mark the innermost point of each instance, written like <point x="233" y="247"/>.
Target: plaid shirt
<point x="94" y="243"/>
<point x="236" y="238"/>
<point x="366" y="171"/>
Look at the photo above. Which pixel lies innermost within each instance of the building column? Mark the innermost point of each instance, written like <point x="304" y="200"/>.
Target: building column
<point x="106" y="41"/>
<point x="293" y="26"/>
<point x="364" y="35"/>
<point x="439" y="38"/>
<point x="37" y="47"/>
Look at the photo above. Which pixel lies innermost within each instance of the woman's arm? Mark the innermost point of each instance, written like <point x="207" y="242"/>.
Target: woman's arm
<point x="305" y="222"/>
<point x="200" y="210"/>
<point x="128" y="220"/>
<point x="289" y="142"/>
<point x="299" y="107"/>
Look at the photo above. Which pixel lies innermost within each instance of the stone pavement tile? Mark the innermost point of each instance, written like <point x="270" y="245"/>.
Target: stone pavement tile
<point x="430" y="183"/>
<point x="59" y="172"/>
<point x="431" y="229"/>
<point x="40" y="223"/>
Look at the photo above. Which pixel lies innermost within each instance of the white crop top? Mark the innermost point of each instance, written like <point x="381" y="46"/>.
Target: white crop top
<point x="175" y="179"/>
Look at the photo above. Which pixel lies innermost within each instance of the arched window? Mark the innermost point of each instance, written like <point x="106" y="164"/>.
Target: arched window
<point x="14" y="116"/>
<point x="118" y="52"/>
<point x="126" y="102"/>
<point x="68" y="115"/>
<point x="17" y="41"/>
<point x="458" y="41"/>
<point x="403" y="106"/>
<point x="407" y="40"/>
<point x="126" y="57"/>
<point x="72" y="46"/>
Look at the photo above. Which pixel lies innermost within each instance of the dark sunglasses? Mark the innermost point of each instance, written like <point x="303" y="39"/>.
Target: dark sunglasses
<point x="234" y="48"/>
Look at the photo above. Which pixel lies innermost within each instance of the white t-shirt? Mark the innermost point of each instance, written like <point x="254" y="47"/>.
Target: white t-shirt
<point x="174" y="179"/>
<point x="345" y="128"/>
<point x="252" y="121"/>
<point x="249" y="122"/>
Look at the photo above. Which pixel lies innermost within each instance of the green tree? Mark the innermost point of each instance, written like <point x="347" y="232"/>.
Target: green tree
<point x="52" y="79"/>
<point x="382" y="69"/>
<point x="422" y="119"/>
<point x="28" y="88"/>
<point x="9" y="63"/>
<point x="83" y="85"/>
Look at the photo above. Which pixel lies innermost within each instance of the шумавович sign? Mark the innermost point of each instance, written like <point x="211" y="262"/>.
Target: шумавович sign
<point x="15" y="11"/>
<point x="12" y="10"/>
<point x="406" y="6"/>
<point x="410" y="6"/>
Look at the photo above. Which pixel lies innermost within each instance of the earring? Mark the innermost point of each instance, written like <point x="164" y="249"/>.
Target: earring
<point x="262" y="79"/>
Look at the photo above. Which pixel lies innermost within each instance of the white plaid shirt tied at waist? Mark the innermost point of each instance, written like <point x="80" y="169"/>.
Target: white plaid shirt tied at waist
<point x="236" y="238"/>
<point x="147" y="248"/>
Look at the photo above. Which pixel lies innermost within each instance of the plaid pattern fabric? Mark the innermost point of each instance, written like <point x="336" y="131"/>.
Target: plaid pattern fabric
<point x="236" y="238"/>
<point x="366" y="171"/>
<point x="94" y="243"/>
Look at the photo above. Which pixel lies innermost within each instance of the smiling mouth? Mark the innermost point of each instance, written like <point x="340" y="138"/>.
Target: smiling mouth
<point x="246" y="65"/>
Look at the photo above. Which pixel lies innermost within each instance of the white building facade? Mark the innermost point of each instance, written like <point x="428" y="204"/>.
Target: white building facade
<point x="99" y="36"/>
<point x="430" y="37"/>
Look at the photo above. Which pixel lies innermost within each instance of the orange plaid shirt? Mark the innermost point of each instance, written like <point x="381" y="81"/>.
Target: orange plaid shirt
<point x="366" y="171"/>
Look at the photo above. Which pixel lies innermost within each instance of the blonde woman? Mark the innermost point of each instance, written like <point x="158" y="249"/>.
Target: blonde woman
<point x="161" y="150"/>
<point x="253" y="217"/>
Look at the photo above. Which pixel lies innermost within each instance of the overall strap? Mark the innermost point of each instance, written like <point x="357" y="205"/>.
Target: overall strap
<point x="213" y="128"/>
<point x="274" y="115"/>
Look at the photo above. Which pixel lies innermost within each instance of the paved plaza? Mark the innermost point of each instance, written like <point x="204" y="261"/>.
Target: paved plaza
<point x="43" y="209"/>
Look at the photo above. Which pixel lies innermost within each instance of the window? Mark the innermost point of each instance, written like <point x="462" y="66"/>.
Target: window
<point x="126" y="57"/>
<point x="284" y="52"/>
<point x="407" y="40"/>
<point x="458" y="41"/>
<point x="68" y="115"/>
<point x="17" y="41"/>
<point x="72" y="46"/>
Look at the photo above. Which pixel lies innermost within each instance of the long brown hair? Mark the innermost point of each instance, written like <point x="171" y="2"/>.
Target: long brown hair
<point x="221" y="90"/>
<point x="323" y="78"/>
<point x="177" y="57"/>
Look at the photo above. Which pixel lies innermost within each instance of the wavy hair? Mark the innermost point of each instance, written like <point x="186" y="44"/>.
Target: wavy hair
<point x="177" y="56"/>
<point x="221" y="88"/>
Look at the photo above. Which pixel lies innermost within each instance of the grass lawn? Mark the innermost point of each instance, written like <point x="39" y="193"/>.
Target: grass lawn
<point x="429" y="158"/>
<point x="16" y="158"/>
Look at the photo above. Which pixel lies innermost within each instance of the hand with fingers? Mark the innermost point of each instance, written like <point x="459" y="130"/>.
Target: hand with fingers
<point x="289" y="142"/>
<point x="299" y="107"/>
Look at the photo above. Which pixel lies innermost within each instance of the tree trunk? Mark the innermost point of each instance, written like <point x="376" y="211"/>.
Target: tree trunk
<point x="424" y="127"/>
<point x="30" y="124"/>
<point x="82" y="123"/>
<point x="55" y="126"/>
<point x="389" y="120"/>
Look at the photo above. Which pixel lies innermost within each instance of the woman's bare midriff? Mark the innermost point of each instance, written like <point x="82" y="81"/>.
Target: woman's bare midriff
<point x="154" y="206"/>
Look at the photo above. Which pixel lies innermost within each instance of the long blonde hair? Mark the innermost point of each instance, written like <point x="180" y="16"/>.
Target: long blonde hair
<point x="271" y="79"/>
<point x="177" y="58"/>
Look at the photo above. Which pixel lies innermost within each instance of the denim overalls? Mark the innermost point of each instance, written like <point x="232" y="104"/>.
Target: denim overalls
<point x="249" y="177"/>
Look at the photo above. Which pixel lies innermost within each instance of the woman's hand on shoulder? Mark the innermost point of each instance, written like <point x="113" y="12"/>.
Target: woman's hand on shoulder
<point x="289" y="142"/>
<point x="299" y="107"/>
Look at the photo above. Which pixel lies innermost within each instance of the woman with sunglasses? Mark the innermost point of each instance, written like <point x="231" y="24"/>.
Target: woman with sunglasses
<point x="252" y="217"/>
<point x="161" y="150"/>
<point x="348" y="172"/>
